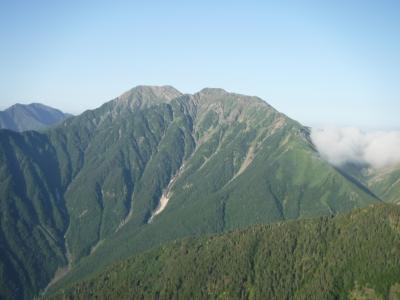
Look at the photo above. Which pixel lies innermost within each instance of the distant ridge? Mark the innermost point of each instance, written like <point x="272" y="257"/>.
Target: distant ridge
<point x="34" y="116"/>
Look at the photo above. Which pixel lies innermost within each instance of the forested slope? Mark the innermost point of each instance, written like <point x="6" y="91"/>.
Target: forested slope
<point x="351" y="256"/>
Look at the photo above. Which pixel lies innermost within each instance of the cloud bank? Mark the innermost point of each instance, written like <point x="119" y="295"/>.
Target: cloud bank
<point x="378" y="149"/>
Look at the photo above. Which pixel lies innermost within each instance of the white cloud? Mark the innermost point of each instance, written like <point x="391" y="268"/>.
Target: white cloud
<point x="341" y="145"/>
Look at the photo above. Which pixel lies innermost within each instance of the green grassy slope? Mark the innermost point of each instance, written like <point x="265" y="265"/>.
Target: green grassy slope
<point x="383" y="182"/>
<point x="223" y="160"/>
<point x="344" y="257"/>
<point x="386" y="183"/>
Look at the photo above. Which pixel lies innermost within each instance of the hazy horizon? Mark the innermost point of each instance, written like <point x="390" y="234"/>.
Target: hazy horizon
<point x="319" y="63"/>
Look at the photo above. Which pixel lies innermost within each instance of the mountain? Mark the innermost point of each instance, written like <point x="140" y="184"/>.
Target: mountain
<point x="383" y="182"/>
<point x="386" y="183"/>
<point x="351" y="256"/>
<point x="35" y="116"/>
<point x="148" y="167"/>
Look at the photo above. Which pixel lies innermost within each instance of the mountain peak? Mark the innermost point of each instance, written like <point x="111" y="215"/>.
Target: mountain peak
<point x="145" y="96"/>
<point x="33" y="116"/>
<point x="165" y="92"/>
<point x="214" y="95"/>
<point x="214" y="91"/>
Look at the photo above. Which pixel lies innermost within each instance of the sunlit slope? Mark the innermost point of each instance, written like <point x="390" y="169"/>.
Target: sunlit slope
<point x="383" y="182"/>
<point x="386" y="183"/>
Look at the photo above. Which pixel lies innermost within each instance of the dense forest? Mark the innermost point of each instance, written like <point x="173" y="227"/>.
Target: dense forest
<point x="350" y="256"/>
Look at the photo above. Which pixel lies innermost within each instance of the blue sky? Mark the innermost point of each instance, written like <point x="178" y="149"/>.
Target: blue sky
<point x="320" y="62"/>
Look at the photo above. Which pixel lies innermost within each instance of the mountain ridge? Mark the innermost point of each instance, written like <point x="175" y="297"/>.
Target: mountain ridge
<point x="33" y="116"/>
